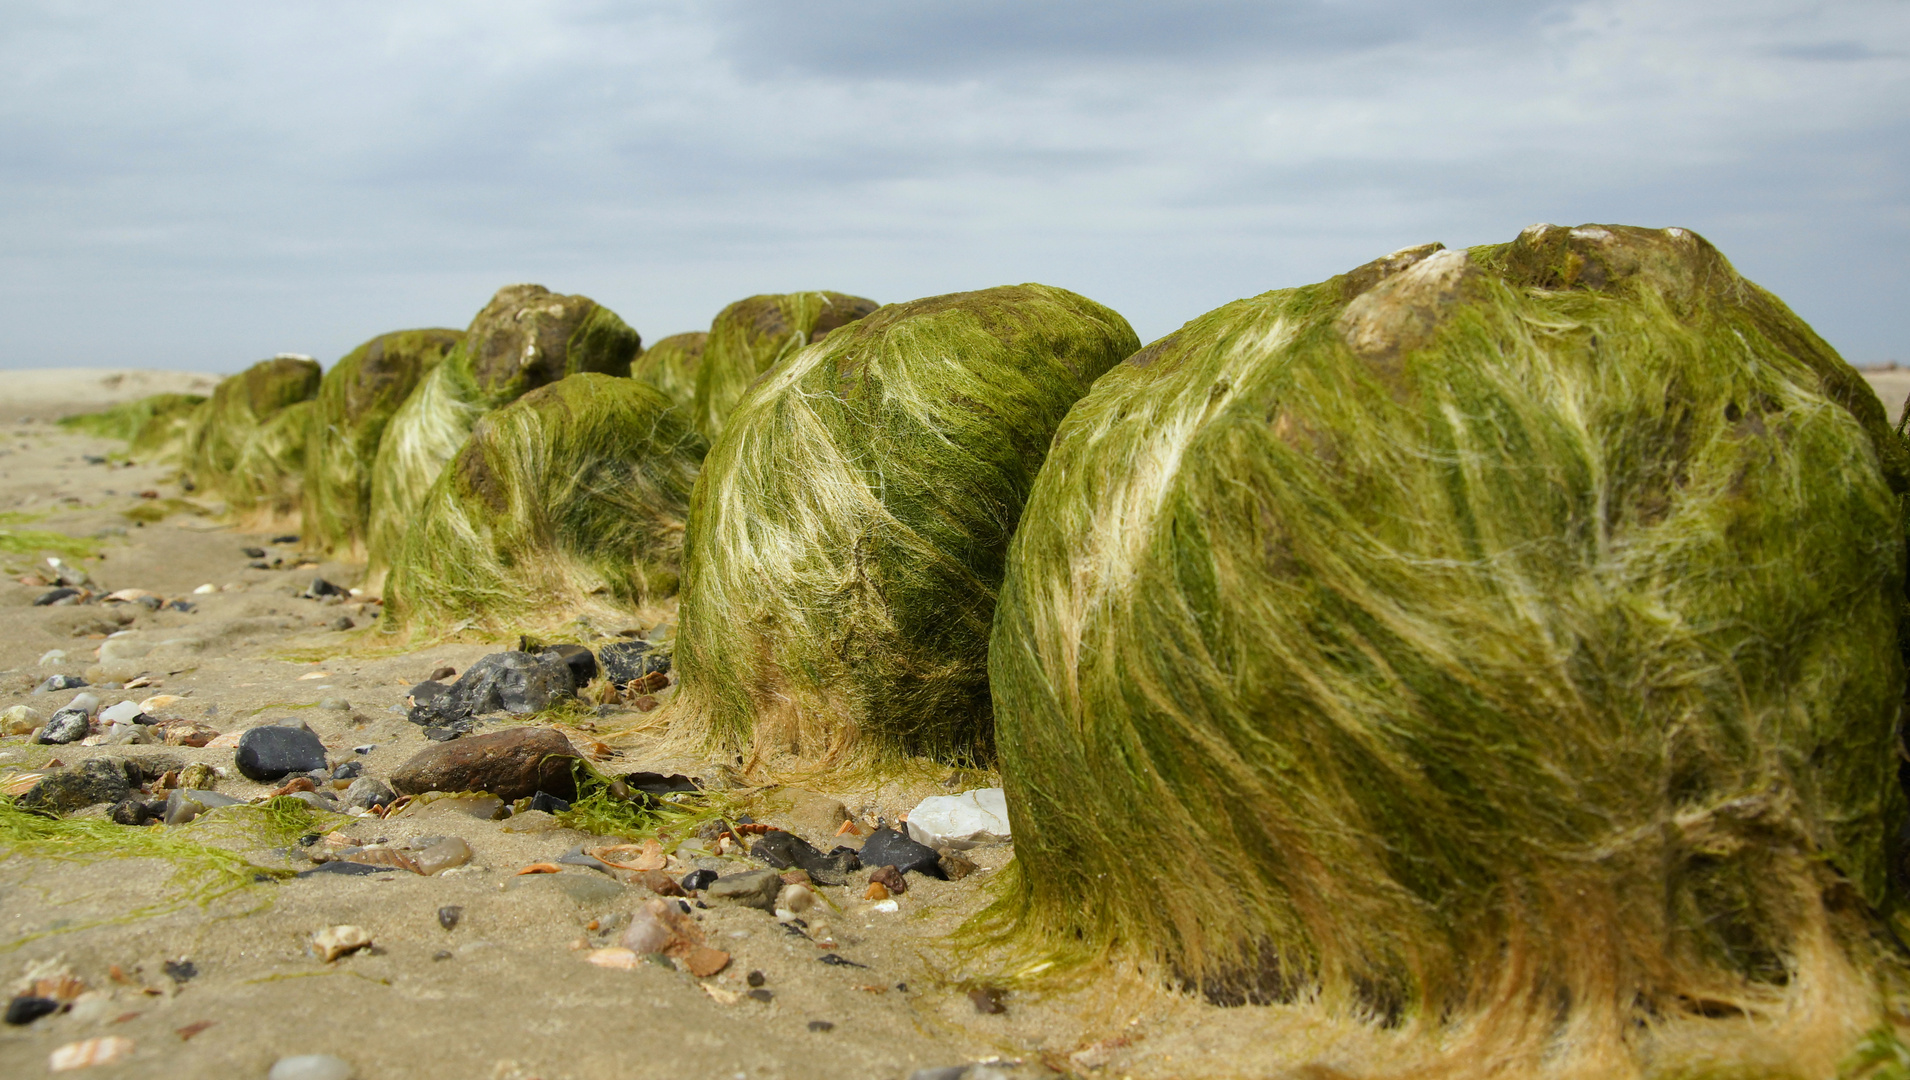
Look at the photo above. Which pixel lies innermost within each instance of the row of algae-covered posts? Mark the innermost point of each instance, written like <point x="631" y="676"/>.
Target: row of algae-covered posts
<point x="1497" y="648"/>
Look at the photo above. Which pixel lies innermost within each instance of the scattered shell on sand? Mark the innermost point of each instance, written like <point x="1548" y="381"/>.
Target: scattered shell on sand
<point x="620" y="959"/>
<point x="335" y="941"/>
<point x="89" y="1052"/>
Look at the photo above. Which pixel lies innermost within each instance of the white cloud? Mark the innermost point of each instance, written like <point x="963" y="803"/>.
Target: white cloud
<point x="204" y="186"/>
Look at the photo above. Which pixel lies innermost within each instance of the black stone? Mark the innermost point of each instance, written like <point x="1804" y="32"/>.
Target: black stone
<point x="697" y="880"/>
<point x="756" y="978"/>
<point x="54" y="596"/>
<point x="350" y="770"/>
<point x="180" y="971"/>
<point x="447" y="732"/>
<point x="891" y="848"/>
<point x="182" y="605"/>
<point x="25" y="1009"/>
<point x="849" y="858"/>
<point x="253" y="552"/>
<point x="583" y="664"/>
<point x="427" y="692"/>
<point x="514" y="682"/>
<point x="548" y="803"/>
<point x="258" y="564"/>
<point x="321" y="587"/>
<point x="449" y="915"/>
<point x="66" y="726"/>
<point x="839" y="961"/>
<point x="783" y="850"/>
<point x="289" y="538"/>
<point x="272" y="752"/>
<point x="651" y="783"/>
<point x="762" y="995"/>
<point x="59" y="682"/>
<point x="97" y="780"/>
<point x="821" y="1025"/>
<point x="135" y="811"/>
<point x="349" y="869"/>
<point x="627" y="661"/>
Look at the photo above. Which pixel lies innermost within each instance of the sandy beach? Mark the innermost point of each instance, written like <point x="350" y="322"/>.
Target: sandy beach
<point x="226" y="986"/>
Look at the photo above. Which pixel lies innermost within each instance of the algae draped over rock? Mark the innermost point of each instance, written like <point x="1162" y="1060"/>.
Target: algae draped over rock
<point x="526" y="337"/>
<point x="671" y="364"/>
<point x="847" y="534"/>
<point x="751" y="336"/>
<point x="247" y="442"/>
<point x="1503" y="641"/>
<point x="570" y="498"/>
<point x="356" y="399"/>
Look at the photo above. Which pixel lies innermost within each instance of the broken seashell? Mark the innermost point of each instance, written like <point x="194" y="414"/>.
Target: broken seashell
<point x="620" y="959"/>
<point x="158" y="701"/>
<point x="720" y="995"/>
<point x="541" y="868"/>
<point x="335" y="941"/>
<point x="314" y="675"/>
<point x="877" y="891"/>
<point x="645" y="856"/>
<point x="90" y="1052"/>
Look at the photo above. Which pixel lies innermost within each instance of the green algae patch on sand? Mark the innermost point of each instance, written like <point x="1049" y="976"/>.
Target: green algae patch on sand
<point x="848" y="532"/>
<point x="671" y="364"/>
<point x="153" y="426"/>
<point x="569" y="500"/>
<point x="526" y="337"/>
<point x="237" y="432"/>
<point x="356" y="399"/>
<point x="1503" y="641"/>
<point x="753" y="335"/>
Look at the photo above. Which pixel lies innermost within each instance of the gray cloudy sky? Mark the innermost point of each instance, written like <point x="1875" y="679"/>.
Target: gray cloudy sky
<point x="201" y="184"/>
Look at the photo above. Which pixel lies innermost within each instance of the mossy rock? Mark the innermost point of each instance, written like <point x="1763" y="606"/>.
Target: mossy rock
<point x="751" y="336"/>
<point x="848" y="532"/>
<point x="567" y="501"/>
<point x="1499" y="640"/>
<point x="355" y="401"/>
<point x="153" y="427"/>
<point x="526" y="337"/>
<point x="670" y="365"/>
<point x="221" y="433"/>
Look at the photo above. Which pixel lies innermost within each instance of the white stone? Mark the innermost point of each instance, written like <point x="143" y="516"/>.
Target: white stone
<point x="311" y="1067"/>
<point x="123" y="713"/>
<point x="52" y="656"/>
<point x="205" y="589"/>
<point x="87" y="702"/>
<point x="961" y="821"/>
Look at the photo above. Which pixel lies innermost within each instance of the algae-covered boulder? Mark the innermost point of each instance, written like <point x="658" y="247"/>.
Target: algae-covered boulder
<point x="238" y="446"/>
<point x="1500" y="641"/>
<point x="568" y="500"/>
<point x="670" y="366"/>
<point x="751" y="336"/>
<point x="355" y="401"/>
<point x="526" y="337"/>
<point x="847" y="535"/>
<point x="153" y="426"/>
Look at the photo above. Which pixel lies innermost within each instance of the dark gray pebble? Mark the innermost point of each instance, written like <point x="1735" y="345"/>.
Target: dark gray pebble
<point x="271" y="752"/>
<point x="25" y="1009"/>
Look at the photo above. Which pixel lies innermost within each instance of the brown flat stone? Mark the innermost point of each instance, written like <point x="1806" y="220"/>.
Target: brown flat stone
<point x="510" y="764"/>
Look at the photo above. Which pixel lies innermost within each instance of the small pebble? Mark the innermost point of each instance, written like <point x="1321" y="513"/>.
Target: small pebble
<point x="334" y="704"/>
<point x="449" y="915"/>
<point x="311" y="1067"/>
<point x="759" y="994"/>
<point x="755" y="979"/>
<point x="821" y="1025"/>
<point x="987" y="1000"/>
<point x="26" y="1008"/>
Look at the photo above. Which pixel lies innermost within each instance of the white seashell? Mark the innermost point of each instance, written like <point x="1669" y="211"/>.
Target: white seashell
<point x="335" y="941"/>
<point x="89" y="1052"/>
<point x="620" y="959"/>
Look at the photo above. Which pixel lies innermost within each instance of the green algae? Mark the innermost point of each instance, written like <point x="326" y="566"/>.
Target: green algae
<point x="1501" y="641"/>
<point x="237" y="445"/>
<point x="848" y="531"/>
<point x="526" y="337"/>
<point x="753" y="335"/>
<point x="356" y="400"/>
<point x="671" y="365"/>
<point x="154" y="426"/>
<point x="570" y="499"/>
